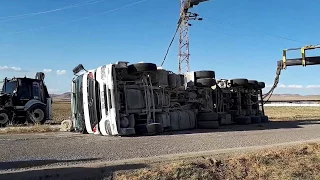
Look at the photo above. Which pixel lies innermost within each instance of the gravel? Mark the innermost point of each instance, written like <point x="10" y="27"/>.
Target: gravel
<point x="48" y="149"/>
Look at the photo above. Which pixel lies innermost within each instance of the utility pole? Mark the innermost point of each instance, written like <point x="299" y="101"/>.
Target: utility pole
<point x="185" y="16"/>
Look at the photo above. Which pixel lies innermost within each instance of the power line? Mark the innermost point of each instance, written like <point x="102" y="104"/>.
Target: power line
<point x="87" y="17"/>
<point x="11" y="18"/>
<point x="268" y="34"/>
<point x="165" y="57"/>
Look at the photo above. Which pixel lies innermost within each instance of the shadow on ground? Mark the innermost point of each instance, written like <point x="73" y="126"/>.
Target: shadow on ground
<point x="251" y="127"/>
<point x="37" y="163"/>
<point x="72" y="173"/>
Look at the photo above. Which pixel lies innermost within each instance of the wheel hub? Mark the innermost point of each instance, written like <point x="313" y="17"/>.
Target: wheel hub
<point x="4" y="118"/>
<point x="37" y="115"/>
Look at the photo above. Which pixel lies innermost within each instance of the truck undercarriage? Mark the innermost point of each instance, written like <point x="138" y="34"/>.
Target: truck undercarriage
<point x="144" y="99"/>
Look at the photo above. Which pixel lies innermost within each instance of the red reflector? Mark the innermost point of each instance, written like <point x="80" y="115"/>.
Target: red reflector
<point x="91" y="75"/>
<point x="95" y="129"/>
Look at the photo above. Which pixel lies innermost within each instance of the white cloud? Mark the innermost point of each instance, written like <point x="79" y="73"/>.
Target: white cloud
<point x="47" y="70"/>
<point x="7" y="68"/>
<point x="61" y="72"/>
<point x="313" y="86"/>
<point x="295" y="86"/>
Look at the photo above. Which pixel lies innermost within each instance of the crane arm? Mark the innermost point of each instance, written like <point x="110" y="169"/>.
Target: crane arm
<point x="282" y="64"/>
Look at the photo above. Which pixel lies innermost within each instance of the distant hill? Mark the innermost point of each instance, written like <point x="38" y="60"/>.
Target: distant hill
<point x="61" y="97"/>
<point x="293" y="97"/>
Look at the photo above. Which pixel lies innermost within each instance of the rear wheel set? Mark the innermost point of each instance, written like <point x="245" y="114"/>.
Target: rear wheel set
<point x="208" y="121"/>
<point x="205" y="78"/>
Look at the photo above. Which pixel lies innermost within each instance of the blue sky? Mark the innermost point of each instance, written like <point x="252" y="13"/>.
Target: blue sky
<point x="237" y="38"/>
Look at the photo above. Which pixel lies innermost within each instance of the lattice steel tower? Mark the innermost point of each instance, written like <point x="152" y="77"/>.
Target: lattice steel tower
<point x="185" y="16"/>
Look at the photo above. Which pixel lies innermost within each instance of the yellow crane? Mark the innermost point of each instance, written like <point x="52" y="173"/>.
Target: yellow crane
<point x="284" y="63"/>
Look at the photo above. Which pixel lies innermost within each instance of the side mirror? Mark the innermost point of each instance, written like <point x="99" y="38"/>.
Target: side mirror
<point x="14" y="92"/>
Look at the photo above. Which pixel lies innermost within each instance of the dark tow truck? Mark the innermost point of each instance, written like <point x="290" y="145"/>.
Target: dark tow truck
<point x="25" y="100"/>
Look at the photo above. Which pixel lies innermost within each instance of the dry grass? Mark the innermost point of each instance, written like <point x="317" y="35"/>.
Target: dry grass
<point x="302" y="162"/>
<point x="293" y="113"/>
<point x="61" y="111"/>
<point x="29" y="129"/>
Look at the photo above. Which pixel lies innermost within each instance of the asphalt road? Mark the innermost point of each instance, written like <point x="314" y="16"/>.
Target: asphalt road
<point x="22" y="151"/>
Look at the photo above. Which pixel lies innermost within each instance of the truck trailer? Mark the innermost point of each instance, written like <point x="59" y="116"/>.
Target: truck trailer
<point x="123" y="99"/>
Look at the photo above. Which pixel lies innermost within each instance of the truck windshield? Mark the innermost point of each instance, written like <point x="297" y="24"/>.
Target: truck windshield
<point x="9" y="87"/>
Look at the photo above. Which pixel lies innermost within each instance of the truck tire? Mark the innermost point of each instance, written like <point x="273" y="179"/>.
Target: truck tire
<point x="36" y="114"/>
<point x="243" y="120"/>
<point x="141" y="67"/>
<point x="208" y="124"/>
<point x="208" y="116"/>
<point x="264" y="119"/>
<point x="5" y="117"/>
<point x="205" y="82"/>
<point x="239" y="82"/>
<point x="204" y="74"/>
<point x="255" y="119"/>
<point x="253" y="83"/>
<point x="148" y="129"/>
<point x="261" y="85"/>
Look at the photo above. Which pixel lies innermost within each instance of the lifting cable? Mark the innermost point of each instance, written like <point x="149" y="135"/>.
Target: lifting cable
<point x="165" y="57"/>
<point x="276" y="81"/>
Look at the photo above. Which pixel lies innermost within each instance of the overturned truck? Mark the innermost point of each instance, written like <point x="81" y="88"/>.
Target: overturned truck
<point x="143" y="99"/>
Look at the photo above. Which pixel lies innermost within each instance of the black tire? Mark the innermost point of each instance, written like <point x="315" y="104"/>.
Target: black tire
<point x="205" y="82"/>
<point x="208" y="124"/>
<point x="148" y="129"/>
<point x="5" y="117"/>
<point x="261" y="85"/>
<point x="242" y="120"/>
<point x="36" y="114"/>
<point x="253" y="83"/>
<point x="264" y="119"/>
<point x="255" y="119"/>
<point x="239" y="82"/>
<point x="204" y="74"/>
<point x="208" y="116"/>
<point x="141" y="67"/>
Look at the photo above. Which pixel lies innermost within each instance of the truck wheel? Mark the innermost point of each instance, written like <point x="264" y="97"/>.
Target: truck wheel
<point x="253" y="83"/>
<point x="141" y="67"/>
<point x="148" y="129"/>
<point x="261" y="85"/>
<point x="204" y="74"/>
<point x="264" y="119"/>
<point x="205" y="82"/>
<point x="243" y="120"/>
<point x="255" y="119"/>
<point x="36" y="115"/>
<point x="208" y="124"/>
<point x="239" y="82"/>
<point x="208" y="116"/>
<point x="5" y="117"/>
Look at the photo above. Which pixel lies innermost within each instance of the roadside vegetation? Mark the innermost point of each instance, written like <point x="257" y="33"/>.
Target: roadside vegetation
<point x="300" y="162"/>
<point x="292" y="113"/>
<point x="29" y="129"/>
<point x="61" y="111"/>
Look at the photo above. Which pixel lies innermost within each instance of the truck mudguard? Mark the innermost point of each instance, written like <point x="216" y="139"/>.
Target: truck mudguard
<point x="32" y="102"/>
